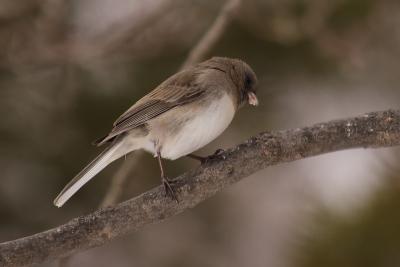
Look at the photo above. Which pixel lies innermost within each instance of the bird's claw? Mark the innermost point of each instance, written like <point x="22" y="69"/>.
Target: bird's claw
<point x="169" y="190"/>
<point x="218" y="154"/>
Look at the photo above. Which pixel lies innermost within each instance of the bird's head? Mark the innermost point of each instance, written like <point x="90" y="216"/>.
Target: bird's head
<point x="242" y="76"/>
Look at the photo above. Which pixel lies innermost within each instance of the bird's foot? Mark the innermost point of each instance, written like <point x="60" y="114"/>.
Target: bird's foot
<point x="168" y="188"/>
<point x="218" y="154"/>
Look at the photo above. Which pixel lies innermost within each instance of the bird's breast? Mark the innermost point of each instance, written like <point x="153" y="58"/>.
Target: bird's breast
<point x="198" y="126"/>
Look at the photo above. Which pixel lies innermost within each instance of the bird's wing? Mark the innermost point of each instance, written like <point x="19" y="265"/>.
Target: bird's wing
<point x="178" y="90"/>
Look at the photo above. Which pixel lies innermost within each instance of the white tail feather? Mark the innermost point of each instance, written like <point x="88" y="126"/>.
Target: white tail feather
<point x="106" y="157"/>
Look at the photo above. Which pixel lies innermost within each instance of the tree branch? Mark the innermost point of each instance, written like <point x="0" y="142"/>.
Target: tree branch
<point x="372" y="130"/>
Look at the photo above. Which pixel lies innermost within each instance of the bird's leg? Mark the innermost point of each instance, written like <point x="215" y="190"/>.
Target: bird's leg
<point x="169" y="191"/>
<point x="204" y="160"/>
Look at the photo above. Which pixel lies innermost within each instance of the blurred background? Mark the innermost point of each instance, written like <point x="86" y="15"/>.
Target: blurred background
<point x="68" y="69"/>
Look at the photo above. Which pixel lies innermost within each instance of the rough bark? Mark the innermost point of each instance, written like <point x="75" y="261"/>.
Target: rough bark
<point x="372" y="130"/>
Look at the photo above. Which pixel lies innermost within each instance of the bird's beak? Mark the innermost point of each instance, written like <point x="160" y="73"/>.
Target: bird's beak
<point x="253" y="100"/>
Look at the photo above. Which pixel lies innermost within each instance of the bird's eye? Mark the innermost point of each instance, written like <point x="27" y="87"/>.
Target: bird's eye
<point x="248" y="81"/>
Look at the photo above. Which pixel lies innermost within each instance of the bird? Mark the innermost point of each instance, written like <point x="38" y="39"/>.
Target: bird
<point x="181" y="115"/>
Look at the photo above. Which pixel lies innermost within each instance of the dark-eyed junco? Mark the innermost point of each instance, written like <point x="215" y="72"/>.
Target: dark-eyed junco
<point x="183" y="114"/>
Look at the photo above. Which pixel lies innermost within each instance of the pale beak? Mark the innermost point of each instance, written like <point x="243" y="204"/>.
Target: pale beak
<point x="253" y="100"/>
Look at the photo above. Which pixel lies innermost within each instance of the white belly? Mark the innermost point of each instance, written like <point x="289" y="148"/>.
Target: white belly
<point x="207" y="125"/>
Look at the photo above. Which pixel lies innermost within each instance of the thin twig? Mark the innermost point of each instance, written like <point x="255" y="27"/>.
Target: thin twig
<point x="213" y="34"/>
<point x="372" y="130"/>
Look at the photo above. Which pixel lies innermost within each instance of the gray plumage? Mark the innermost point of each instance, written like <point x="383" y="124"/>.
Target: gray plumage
<point x="184" y="113"/>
